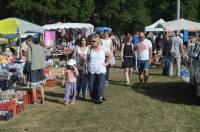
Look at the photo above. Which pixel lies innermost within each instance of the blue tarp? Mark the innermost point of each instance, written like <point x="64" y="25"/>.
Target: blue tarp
<point x="103" y="29"/>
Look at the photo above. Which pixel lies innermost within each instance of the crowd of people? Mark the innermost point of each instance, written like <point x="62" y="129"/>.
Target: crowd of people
<point x="87" y="69"/>
<point x="88" y="64"/>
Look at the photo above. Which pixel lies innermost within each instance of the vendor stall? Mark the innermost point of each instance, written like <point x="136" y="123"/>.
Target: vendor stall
<point x="86" y="28"/>
<point x="154" y="26"/>
<point x="65" y="32"/>
<point x="181" y="24"/>
<point x="13" y="27"/>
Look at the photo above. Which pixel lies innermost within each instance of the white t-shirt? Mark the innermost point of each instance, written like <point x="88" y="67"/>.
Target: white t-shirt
<point x="106" y="44"/>
<point x="143" y="50"/>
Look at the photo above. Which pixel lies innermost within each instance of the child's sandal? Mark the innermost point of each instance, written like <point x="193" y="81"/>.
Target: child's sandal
<point x="42" y="102"/>
<point x="34" y="102"/>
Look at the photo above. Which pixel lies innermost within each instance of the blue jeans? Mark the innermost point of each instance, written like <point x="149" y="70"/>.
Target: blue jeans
<point x="107" y="72"/>
<point x="96" y="85"/>
<point x="142" y="65"/>
<point x="82" y="83"/>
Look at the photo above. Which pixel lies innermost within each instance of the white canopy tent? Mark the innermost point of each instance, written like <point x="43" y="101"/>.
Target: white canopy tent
<point x="153" y="27"/>
<point x="59" y="25"/>
<point x="26" y="26"/>
<point x="181" y="24"/>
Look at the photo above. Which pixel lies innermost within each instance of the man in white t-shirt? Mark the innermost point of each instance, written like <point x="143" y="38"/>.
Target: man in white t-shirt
<point x="144" y="58"/>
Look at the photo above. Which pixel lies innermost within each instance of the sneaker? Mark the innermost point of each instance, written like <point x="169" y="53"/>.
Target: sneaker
<point x="73" y="102"/>
<point x="85" y="97"/>
<point x="98" y="101"/>
<point x="104" y="98"/>
<point x="127" y="83"/>
<point x="66" y="103"/>
<point x="42" y="101"/>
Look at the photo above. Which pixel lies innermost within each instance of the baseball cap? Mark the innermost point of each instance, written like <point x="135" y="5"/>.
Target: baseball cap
<point x="71" y="62"/>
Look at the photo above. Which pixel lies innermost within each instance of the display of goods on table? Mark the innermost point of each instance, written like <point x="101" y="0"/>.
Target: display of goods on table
<point x="9" y="106"/>
<point x="12" y="94"/>
<point x="4" y="79"/>
<point x="58" y="72"/>
<point x="12" y="102"/>
<point x="5" y="115"/>
<point x="52" y="73"/>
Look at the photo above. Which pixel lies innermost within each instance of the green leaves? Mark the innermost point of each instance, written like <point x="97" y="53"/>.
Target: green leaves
<point x="121" y="15"/>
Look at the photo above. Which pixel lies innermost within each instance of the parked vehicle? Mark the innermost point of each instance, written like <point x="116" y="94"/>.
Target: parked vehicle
<point x="195" y="68"/>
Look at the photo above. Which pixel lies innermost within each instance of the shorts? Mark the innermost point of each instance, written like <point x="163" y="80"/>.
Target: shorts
<point x="128" y="62"/>
<point x="142" y="65"/>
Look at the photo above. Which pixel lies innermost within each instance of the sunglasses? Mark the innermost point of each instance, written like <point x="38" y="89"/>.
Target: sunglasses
<point x="141" y="37"/>
<point x="93" y="41"/>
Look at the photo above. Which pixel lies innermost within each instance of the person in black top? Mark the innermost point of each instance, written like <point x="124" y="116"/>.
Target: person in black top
<point x="166" y="54"/>
<point x="127" y="58"/>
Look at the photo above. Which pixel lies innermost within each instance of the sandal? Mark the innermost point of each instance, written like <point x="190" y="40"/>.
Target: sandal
<point x="34" y="102"/>
<point x="42" y="101"/>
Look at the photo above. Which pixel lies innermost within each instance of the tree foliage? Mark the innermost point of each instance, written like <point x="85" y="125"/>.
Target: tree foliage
<point x="121" y="15"/>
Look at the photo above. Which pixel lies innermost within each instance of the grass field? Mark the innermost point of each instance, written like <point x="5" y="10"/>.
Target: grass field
<point x="168" y="104"/>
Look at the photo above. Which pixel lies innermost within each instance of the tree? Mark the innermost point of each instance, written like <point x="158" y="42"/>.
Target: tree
<point x="121" y="15"/>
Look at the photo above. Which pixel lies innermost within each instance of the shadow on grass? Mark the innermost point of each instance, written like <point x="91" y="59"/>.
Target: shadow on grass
<point x="53" y="94"/>
<point x="60" y="84"/>
<point x="150" y="73"/>
<point x="155" y="74"/>
<point x="178" y="92"/>
<point x="116" y="67"/>
<point x="60" y="95"/>
<point x="116" y="82"/>
<point x="85" y="100"/>
<point x="54" y="101"/>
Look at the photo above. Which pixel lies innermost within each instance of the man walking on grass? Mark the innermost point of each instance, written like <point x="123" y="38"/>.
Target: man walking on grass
<point x="176" y="50"/>
<point x="144" y="58"/>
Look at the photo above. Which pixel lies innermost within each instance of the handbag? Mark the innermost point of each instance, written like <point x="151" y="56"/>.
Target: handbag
<point x="27" y="68"/>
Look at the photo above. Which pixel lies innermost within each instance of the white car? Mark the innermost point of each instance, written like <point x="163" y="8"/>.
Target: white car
<point x="195" y="68"/>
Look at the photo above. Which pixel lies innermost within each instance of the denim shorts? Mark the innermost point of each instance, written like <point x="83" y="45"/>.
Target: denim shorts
<point x="142" y="65"/>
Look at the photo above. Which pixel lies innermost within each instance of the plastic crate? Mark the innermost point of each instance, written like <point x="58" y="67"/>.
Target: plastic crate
<point x="50" y="83"/>
<point x="9" y="106"/>
<point x="46" y="71"/>
<point x="19" y="108"/>
<point x="27" y="99"/>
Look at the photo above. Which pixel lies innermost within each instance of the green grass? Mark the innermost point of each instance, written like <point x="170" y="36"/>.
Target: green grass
<point x="167" y="105"/>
